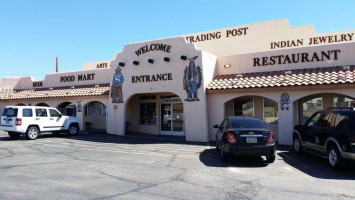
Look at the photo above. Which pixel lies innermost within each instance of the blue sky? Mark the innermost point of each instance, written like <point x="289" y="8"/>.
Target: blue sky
<point x="34" y="32"/>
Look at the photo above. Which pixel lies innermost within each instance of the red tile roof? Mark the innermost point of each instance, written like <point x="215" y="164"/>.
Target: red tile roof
<point x="287" y="78"/>
<point x="74" y="91"/>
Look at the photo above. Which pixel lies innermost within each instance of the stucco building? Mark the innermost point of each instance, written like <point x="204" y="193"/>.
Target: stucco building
<point x="184" y="85"/>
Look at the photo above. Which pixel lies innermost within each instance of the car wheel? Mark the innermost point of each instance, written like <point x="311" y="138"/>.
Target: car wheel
<point x="334" y="158"/>
<point x="270" y="159"/>
<point x="224" y="155"/>
<point x="297" y="147"/>
<point x="217" y="145"/>
<point x="14" y="135"/>
<point x="73" y="130"/>
<point x="32" y="133"/>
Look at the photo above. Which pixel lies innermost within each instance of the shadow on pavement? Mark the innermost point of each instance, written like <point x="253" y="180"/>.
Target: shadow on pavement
<point x="211" y="158"/>
<point x="316" y="166"/>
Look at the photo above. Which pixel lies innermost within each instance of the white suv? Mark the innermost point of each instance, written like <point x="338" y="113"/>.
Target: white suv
<point x="33" y="120"/>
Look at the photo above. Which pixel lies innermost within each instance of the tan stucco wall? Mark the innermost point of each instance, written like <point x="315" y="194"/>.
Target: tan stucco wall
<point x="286" y="118"/>
<point x="258" y="37"/>
<point x="195" y="113"/>
<point x="101" y="124"/>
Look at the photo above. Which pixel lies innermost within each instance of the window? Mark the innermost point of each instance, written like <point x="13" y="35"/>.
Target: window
<point x="342" y="122"/>
<point x="40" y="112"/>
<point x="53" y="113"/>
<point x="325" y="120"/>
<point x="246" y="123"/>
<point x="270" y="111"/>
<point x="342" y="101"/>
<point x="95" y="109"/>
<point x="147" y="113"/>
<point x="244" y="107"/>
<point x="10" y="112"/>
<point x="27" y="112"/>
<point x="313" y="120"/>
<point x="311" y="106"/>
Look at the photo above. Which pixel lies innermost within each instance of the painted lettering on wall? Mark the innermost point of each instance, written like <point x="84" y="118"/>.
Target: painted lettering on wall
<point x="37" y="84"/>
<point x="80" y="77"/>
<point x="152" y="78"/>
<point x="101" y="65"/>
<point x="153" y="47"/>
<point x="313" y="41"/>
<point x="217" y="35"/>
<point x="296" y="58"/>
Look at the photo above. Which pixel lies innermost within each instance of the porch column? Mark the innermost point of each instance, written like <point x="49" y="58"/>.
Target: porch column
<point x="285" y="125"/>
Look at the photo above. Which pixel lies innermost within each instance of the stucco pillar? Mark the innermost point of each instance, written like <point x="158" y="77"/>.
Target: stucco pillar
<point x="285" y="125"/>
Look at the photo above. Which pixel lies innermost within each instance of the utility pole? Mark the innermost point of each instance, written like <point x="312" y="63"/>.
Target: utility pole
<point x="56" y="65"/>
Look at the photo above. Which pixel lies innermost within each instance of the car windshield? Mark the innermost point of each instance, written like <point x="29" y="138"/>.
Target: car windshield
<point x="246" y="123"/>
<point x="10" y="112"/>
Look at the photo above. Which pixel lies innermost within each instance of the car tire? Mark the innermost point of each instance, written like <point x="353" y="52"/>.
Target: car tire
<point x="225" y="157"/>
<point x="73" y="130"/>
<point x="14" y="135"/>
<point x="32" y="133"/>
<point x="297" y="146"/>
<point x="270" y="159"/>
<point x="335" y="160"/>
<point x="217" y="145"/>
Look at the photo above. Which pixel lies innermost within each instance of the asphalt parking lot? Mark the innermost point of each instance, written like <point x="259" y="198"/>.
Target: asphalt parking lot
<point x="99" y="166"/>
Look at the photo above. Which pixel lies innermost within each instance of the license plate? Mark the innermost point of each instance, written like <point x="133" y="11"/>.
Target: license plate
<point x="252" y="140"/>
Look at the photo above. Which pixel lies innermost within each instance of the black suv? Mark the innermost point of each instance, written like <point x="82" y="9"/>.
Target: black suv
<point x="330" y="134"/>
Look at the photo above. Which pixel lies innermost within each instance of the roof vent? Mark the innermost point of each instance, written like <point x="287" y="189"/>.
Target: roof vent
<point x="239" y="76"/>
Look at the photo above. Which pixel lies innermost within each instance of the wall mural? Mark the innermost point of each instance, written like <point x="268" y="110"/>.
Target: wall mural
<point x="192" y="80"/>
<point x="79" y="107"/>
<point x="116" y="88"/>
<point x="285" y="100"/>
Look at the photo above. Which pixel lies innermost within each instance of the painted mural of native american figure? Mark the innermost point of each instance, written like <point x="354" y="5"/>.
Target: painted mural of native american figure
<point x="116" y="88"/>
<point x="192" y="80"/>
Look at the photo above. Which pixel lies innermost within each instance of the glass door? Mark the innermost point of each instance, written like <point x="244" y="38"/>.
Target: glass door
<point x="172" y="119"/>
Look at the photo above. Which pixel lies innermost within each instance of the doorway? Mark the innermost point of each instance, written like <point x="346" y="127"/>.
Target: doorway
<point x="172" y="119"/>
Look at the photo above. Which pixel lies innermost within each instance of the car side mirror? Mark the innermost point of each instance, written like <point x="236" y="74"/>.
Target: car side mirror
<point x="216" y="126"/>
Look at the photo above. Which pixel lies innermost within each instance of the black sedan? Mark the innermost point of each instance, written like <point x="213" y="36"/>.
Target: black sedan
<point x="245" y="136"/>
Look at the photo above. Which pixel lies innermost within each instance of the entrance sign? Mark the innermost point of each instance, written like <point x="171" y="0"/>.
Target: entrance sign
<point x="152" y="78"/>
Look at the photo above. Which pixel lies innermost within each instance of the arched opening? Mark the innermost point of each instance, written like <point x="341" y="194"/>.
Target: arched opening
<point x="254" y="106"/>
<point x="95" y="116"/>
<point x="310" y="104"/>
<point x="20" y="104"/>
<point x="67" y="108"/>
<point x="42" y="104"/>
<point x="157" y="114"/>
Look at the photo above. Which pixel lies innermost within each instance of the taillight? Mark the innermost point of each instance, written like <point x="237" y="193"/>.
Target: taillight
<point x="18" y="122"/>
<point x="271" y="138"/>
<point x="231" y="138"/>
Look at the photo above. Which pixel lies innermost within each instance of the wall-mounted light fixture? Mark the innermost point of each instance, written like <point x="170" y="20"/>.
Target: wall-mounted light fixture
<point x="135" y="62"/>
<point x="288" y="72"/>
<point x="346" y="67"/>
<point x="227" y="66"/>
<point x="166" y="59"/>
<point x="151" y="61"/>
<point x="183" y="57"/>
<point x="121" y="64"/>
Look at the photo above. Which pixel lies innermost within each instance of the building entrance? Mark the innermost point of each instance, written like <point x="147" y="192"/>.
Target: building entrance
<point x="171" y="119"/>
